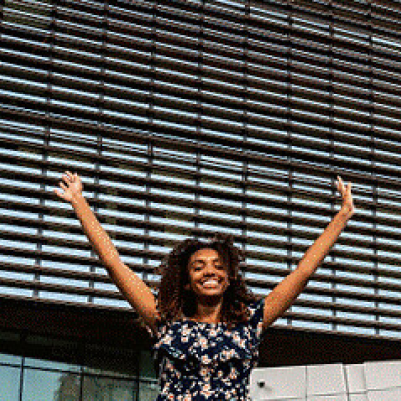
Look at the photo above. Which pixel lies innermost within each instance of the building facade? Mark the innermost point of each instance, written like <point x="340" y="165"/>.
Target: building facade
<point x="184" y="118"/>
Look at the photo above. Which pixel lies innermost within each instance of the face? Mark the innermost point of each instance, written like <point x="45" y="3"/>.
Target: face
<point x="208" y="277"/>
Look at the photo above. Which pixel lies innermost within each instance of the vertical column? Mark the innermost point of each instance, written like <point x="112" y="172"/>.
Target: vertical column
<point x="100" y="123"/>
<point x="150" y="145"/>
<point x="198" y="179"/>
<point x="48" y="129"/>
<point x="373" y="174"/>
<point x="245" y="172"/>
<point x="332" y="154"/>
<point x="289" y="141"/>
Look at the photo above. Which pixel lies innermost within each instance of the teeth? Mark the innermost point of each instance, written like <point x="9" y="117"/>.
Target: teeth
<point x="210" y="282"/>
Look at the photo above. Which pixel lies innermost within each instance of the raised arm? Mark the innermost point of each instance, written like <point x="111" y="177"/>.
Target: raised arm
<point x="137" y="293"/>
<point x="286" y="292"/>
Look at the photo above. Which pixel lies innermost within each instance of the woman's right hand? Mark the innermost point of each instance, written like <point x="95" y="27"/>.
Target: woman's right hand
<point x="72" y="187"/>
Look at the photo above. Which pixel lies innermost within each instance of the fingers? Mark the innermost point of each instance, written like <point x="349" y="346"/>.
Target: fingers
<point x="58" y="193"/>
<point x="349" y="189"/>
<point x="345" y="191"/>
<point x="68" y="177"/>
<point x="340" y="185"/>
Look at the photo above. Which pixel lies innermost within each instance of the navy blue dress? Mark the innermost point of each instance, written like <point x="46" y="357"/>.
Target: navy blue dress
<point x="206" y="361"/>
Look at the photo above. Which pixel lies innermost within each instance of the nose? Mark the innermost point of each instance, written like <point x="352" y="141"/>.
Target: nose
<point x="210" y="269"/>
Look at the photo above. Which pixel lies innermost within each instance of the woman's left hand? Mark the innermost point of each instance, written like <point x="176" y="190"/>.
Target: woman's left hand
<point x="347" y="207"/>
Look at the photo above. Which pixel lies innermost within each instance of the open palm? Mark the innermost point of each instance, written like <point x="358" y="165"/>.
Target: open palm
<point x="72" y="186"/>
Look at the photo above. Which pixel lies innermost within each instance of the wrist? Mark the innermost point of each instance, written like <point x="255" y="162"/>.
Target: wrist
<point x="345" y="214"/>
<point x="76" y="198"/>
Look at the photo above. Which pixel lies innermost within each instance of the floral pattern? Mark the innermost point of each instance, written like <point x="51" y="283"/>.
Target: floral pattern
<point x="206" y="361"/>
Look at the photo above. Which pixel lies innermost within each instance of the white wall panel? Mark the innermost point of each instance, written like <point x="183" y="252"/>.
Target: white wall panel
<point x="370" y="381"/>
<point x="284" y="383"/>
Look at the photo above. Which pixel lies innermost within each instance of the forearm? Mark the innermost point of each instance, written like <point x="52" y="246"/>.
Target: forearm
<point x="97" y="236"/>
<point x="135" y="291"/>
<point x="321" y="247"/>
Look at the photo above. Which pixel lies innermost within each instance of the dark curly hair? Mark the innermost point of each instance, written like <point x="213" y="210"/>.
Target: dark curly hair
<point x="175" y="302"/>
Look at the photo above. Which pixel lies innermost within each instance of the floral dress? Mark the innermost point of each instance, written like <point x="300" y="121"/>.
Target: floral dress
<point x="206" y="361"/>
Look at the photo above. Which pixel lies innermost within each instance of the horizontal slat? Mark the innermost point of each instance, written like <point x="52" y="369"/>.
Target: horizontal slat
<point x="37" y="285"/>
<point x="88" y="305"/>
<point x="345" y="321"/>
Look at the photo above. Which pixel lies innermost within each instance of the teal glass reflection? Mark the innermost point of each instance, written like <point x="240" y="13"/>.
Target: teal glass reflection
<point x="41" y="385"/>
<point x="148" y="390"/>
<point x="9" y="383"/>
<point x="45" y="364"/>
<point x="10" y="359"/>
<point x="107" y="389"/>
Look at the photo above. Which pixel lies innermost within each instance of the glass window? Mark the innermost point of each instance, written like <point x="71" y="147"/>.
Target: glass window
<point x="9" y="383"/>
<point x="148" y="390"/>
<point x="10" y="359"/>
<point x="108" y="389"/>
<point x="42" y="385"/>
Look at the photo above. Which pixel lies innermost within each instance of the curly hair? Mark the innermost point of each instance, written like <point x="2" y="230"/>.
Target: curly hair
<point x="175" y="302"/>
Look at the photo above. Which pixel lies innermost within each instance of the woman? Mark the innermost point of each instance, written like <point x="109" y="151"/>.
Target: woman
<point x="205" y="323"/>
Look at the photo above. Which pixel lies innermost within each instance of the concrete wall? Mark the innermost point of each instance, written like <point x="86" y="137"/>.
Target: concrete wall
<point x="370" y="381"/>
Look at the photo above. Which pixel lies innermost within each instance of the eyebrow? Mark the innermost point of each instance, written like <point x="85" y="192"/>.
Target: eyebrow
<point x="202" y="261"/>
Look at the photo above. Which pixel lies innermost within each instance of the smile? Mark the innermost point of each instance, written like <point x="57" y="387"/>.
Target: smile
<point x="210" y="283"/>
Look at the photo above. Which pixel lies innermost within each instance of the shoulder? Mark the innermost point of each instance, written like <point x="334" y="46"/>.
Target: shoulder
<point x="256" y="312"/>
<point x="256" y="306"/>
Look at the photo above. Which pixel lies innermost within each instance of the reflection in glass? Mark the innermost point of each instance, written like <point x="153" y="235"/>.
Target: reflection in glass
<point x="42" y="363"/>
<point x="107" y="389"/>
<point x="9" y="383"/>
<point x="148" y="390"/>
<point x="11" y="359"/>
<point x="41" y="385"/>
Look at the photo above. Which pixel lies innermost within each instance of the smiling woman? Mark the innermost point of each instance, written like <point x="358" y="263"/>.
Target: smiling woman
<point x="205" y="323"/>
<point x="201" y="281"/>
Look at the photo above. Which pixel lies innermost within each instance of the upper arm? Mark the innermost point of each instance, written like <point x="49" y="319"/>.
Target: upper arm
<point x="283" y="296"/>
<point x="135" y="291"/>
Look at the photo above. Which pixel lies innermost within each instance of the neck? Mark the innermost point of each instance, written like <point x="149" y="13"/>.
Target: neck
<point x="208" y="313"/>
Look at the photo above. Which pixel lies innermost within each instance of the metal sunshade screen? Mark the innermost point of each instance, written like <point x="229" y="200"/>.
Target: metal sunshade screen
<point x="185" y="118"/>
